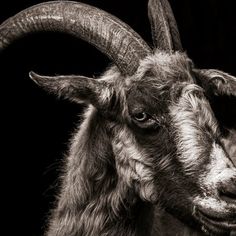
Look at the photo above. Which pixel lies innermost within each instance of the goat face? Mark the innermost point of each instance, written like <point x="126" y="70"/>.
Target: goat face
<point x="163" y="133"/>
<point x="165" y="137"/>
<point x="170" y="145"/>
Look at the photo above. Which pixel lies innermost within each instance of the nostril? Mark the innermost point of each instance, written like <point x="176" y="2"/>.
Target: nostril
<point x="228" y="196"/>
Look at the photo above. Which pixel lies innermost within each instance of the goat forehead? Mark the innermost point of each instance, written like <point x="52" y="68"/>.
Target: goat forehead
<point x="156" y="96"/>
<point x="148" y="97"/>
<point x="166" y="68"/>
<point x="158" y="75"/>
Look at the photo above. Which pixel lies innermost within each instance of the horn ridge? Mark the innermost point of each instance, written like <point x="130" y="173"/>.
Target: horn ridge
<point x="175" y="36"/>
<point x="165" y="32"/>
<point x="106" y="32"/>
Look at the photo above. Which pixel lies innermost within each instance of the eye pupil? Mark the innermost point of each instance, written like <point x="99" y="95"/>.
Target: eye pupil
<point x="142" y="116"/>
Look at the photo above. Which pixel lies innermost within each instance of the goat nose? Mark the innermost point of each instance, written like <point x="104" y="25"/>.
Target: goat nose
<point x="228" y="192"/>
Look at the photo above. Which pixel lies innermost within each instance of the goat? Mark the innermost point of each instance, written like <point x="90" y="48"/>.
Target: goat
<point x="149" y="138"/>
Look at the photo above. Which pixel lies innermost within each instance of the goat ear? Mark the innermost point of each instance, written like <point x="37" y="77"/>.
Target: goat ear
<point x="78" y="89"/>
<point x="216" y="83"/>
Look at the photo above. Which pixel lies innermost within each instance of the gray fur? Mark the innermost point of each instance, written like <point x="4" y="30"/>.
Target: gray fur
<point x="115" y="173"/>
<point x="149" y="149"/>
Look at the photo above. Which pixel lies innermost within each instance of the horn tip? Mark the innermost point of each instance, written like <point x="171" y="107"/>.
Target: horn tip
<point x="35" y="77"/>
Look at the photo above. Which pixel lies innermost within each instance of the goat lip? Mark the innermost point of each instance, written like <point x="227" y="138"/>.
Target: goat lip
<point x="215" y="224"/>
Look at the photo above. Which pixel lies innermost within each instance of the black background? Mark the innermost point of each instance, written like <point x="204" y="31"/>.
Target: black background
<point x="36" y="127"/>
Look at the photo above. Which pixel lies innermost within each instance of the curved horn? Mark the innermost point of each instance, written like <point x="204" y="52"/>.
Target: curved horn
<point x="165" y="33"/>
<point x="106" y="32"/>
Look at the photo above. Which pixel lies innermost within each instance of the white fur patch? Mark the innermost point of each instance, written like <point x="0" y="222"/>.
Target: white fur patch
<point x="189" y="117"/>
<point x="211" y="204"/>
<point x="220" y="169"/>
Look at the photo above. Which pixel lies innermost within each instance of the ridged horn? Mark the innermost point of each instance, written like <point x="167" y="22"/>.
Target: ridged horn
<point x="165" y="33"/>
<point x="101" y="29"/>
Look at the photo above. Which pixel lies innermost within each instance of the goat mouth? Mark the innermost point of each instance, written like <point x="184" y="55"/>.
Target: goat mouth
<point x="215" y="225"/>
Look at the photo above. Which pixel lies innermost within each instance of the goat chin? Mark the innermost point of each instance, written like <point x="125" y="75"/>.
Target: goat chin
<point x="168" y="225"/>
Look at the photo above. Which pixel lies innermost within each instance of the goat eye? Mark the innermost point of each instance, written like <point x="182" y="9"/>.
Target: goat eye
<point x="141" y="116"/>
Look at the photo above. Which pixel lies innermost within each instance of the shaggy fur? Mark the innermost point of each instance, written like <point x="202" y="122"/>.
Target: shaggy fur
<point x="95" y="200"/>
<point x="150" y="148"/>
<point x="118" y="168"/>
